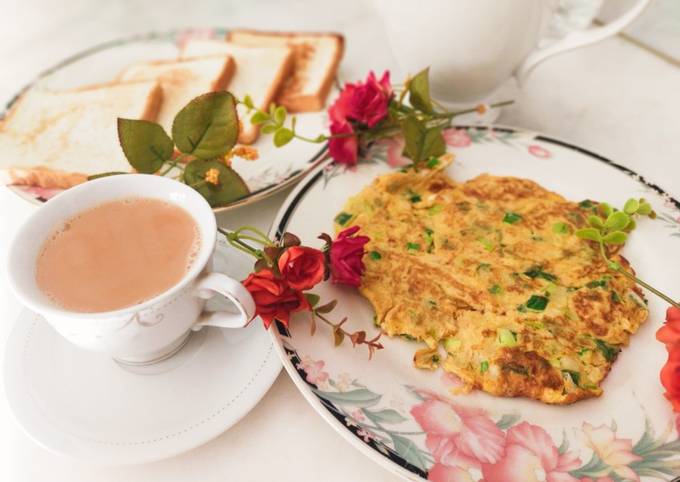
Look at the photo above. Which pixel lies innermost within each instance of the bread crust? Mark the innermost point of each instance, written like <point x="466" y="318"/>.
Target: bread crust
<point x="303" y="102"/>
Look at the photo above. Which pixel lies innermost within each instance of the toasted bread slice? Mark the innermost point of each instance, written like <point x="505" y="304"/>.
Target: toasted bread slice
<point x="317" y="56"/>
<point x="182" y="80"/>
<point x="54" y="139"/>
<point x="260" y="73"/>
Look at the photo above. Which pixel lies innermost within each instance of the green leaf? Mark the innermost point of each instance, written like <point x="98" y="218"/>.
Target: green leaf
<point x="280" y="115"/>
<point x="361" y="397"/>
<point x="591" y="234"/>
<point x="408" y="451"/>
<point x="207" y="127"/>
<point x="282" y="137"/>
<point x="248" y="102"/>
<point x="605" y="209"/>
<point x="616" y="237"/>
<point x="105" y="174"/>
<point x="616" y="221"/>
<point x="259" y="117"/>
<point x="596" y="221"/>
<point x="230" y="188"/>
<point x="421" y="143"/>
<point x="645" y="209"/>
<point x="512" y="218"/>
<point x="419" y="91"/>
<point x="145" y="144"/>
<point x="312" y="298"/>
<point x="385" y="416"/>
<point x="328" y="307"/>
<point x="508" y="420"/>
<point x="631" y="206"/>
<point x="269" y="129"/>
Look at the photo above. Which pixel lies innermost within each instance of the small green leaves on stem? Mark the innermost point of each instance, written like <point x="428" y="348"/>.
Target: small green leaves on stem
<point x="145" y="144"/>
<point x="207" y="127"/>
<point x="613" y="229"/>
<point x="419" y="92"/>
<point x="273" y="122"/>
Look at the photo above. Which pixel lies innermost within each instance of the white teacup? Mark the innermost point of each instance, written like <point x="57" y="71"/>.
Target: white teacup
<point x="473" y="46"/>
<point x="153" y="329"/>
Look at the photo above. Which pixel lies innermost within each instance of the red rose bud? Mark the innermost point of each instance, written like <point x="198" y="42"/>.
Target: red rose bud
<point x="346" y="255"/>
<point x="344" y="150"/>
<point x="669" y="333"/>
<point x="670" y="377"/>
<point x="274" y="299"/>
<point x="302" y="267"/>
<point x="364" y="102"/>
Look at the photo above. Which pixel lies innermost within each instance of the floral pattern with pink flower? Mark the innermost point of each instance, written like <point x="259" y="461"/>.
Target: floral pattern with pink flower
<point x="457" y="138"/>
<point x="458" y="435"/>
<point x="531" y="456"/>
<point x="395" y="147"/>
<point x="613" y="451"/>
<point x="314" y="371"/>
<point x="445" y="473"/>
<point x="599" y="479"/>
<point x="539" y="151"/>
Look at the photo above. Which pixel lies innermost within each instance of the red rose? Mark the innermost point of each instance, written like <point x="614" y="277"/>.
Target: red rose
<point x="346" y="255"/>
<point x="302" y="267"/>
<point x="344" y="149"/>
<point x="364" y="102"/>
<point x="670" y="377"/>
<point x="274" y="299"/>
<point x="669" y="334"/>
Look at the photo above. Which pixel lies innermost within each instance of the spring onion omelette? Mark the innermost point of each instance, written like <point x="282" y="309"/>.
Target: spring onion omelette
<point x="489" y="276"/>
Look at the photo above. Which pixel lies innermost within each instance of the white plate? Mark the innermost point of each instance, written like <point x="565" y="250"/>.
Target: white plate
<point x="407" y="420"/>
<point x="274" y="170"/>
<point x="84" y="405"/>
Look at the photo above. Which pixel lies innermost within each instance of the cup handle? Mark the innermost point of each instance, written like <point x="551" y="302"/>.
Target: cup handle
<point x="580" y="38"/>
<point x="218" y="283"/>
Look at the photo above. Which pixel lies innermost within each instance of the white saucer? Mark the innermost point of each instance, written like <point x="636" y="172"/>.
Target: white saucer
<point x="85" y="405"/>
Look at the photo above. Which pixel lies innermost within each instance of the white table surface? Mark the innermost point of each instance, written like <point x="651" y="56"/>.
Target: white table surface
<point x="613" y="98"/>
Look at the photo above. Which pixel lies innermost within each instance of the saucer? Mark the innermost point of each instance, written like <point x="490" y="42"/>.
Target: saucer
<point x="87" y="406"/>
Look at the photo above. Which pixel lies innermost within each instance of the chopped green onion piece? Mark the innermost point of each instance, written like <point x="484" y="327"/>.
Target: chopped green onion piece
<point x="537" y="272"/>
<point x="600" y="283"/>
<point x="610" y="352"/>
<point x="375" y="255"/>
<point x="560" y="228"/>
<point x="537" y="303"/>
<point x="586" y="204"/>
<point x="451" y="345"/>
<point x="483" y="267"/>
<point x="412" y="246"/>
<point x="512" y="218"/>
<point x="495" y="289"/>
<point x="342" y="218"/>
<point x="414" y="197"/>
<point x="435" y="209"/>
<point x="615" y="297"/>
<point x="507" y="337"/>
<point x="432" y="163"/>
<point x="488" y="245"/>
<point x="484" y="366"/>
<point x="573" y="375"/>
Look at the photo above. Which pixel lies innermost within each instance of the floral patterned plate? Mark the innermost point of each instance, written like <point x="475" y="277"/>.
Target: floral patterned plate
<point x="273" y="171"/>
<point x="408" y="420"/>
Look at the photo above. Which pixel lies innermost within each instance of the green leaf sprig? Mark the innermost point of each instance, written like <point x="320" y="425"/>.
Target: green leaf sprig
<point x="203" y="132"/>
<point x="610" y="227"/>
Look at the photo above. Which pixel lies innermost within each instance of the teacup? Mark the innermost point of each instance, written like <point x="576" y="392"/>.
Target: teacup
<point x="148" y="331"/>
<point x="473" y="46"/>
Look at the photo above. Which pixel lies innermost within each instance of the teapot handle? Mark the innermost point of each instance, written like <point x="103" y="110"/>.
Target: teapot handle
<point x="580" y="38"/>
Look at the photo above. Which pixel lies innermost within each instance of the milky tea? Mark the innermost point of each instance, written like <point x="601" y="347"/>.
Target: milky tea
<point x="117" y="254"/>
